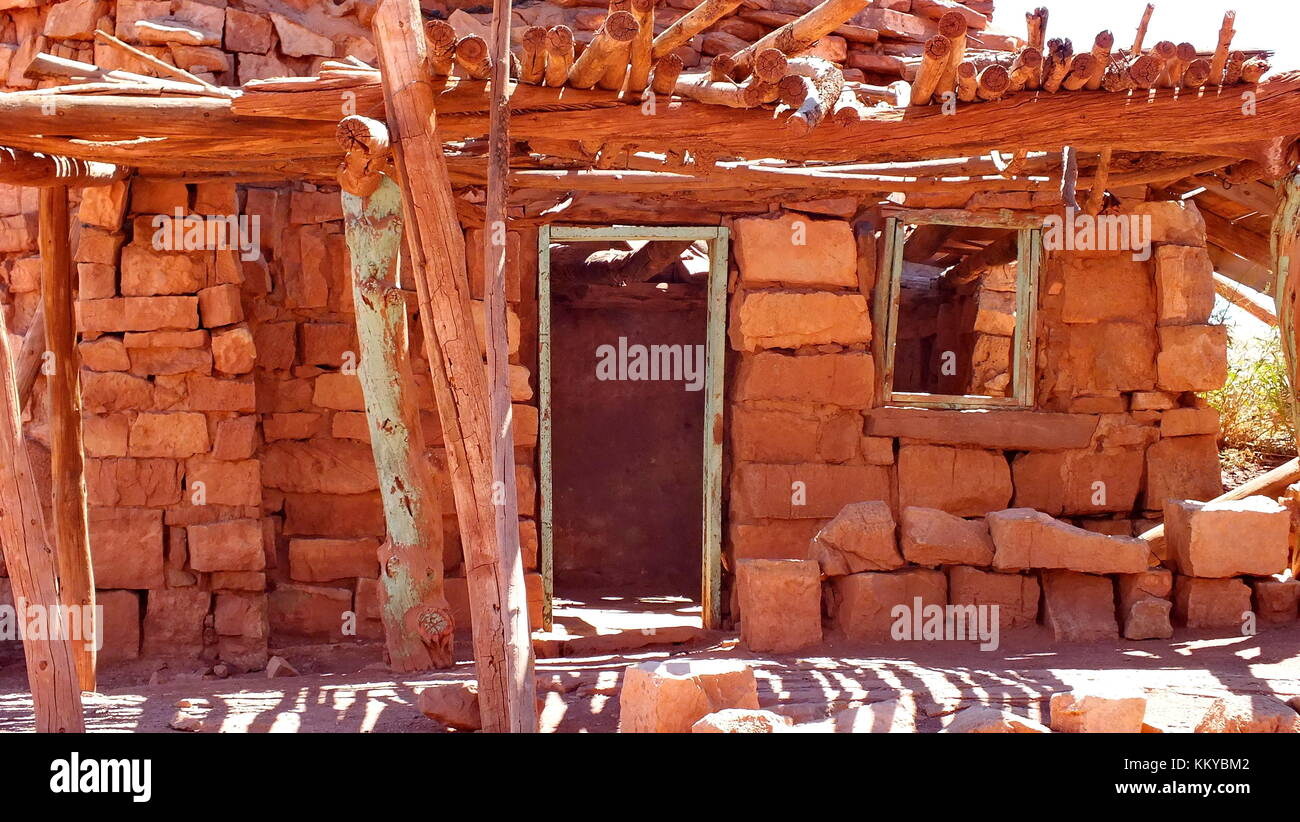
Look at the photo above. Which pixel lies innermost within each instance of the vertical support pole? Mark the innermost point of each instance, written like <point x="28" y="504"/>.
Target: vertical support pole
<point x="714" y="369"/>
<point x="33" y="572"/>
<point x="67" y="459"/>
<point x="1028" y="243"/>
<point x="505" y="499"/>
<point x="1286" y="221"/>
<point x="546" y="526"/>
<point x="418" y="630"/>
<point x="436" y="243"/>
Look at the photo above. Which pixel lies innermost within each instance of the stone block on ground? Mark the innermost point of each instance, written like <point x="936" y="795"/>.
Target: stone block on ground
<point x="741" y="721"/>
<point x="671" y="696"/>
<point x="780" y="604"/>
<point x="454" y="704"/>
<point x="1249" y="714"/>
<point x="1097" y="712"/>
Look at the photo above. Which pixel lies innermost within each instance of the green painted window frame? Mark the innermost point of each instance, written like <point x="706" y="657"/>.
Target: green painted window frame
<point x="885" y="309"/>
<point x="718" y="240"/>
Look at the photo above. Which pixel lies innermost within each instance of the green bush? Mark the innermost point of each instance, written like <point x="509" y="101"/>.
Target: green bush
<point x="1253" y="406"/>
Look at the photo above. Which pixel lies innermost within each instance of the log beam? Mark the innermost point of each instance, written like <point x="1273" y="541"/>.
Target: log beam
<point x="502" y="650"/>
<point x="798" y="35"/>
<point x="34" y="169"/>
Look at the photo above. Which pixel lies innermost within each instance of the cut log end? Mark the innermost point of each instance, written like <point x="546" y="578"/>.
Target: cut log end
<point x="621" y="26"/>
<point x="1144" y="70"/>
<point x="952" y="25"/>
<point x="666" y="71"/>
<point x="1197" y="73"/>
<point x="440" y="35"/>
<point x="770" y="65"/>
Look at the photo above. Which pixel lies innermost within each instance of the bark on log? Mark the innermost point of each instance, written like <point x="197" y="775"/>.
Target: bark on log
<point x="1254" y="69"/>
<point x="1197" y="73"/>
<point x="418" y="628"/>
<point x="1142" y="29"/>
<point x="1083" y="67"/>
<point x="606" y="51"/>
<point x="1220" y="59"/>
<point x="502" y="650"/>
<point x="368" y="151"/>
<point x="933" y="62"/>
<point x="826" y="83"/>
<point x="799" y="35"/>
<point x="1233" y="71"/>
<point x="67" y="457"/>
<point x="559" y="55"/>
<point x="967" y="82"/>
<point x="472" y="57"/>
<point x="994" y="81"/>
<point x="1101" y="48"/>
<point x="690" y="24"/>
<point x="952" y="26"/>
<point x="664" y="78"/>
<point x="532" y="63"/>
<point x="1056" y="63"/>
<point x="848" y="109"/>
<point x="440" y="37"/>
<point x="640" y="53"/>
<point x="704" y="88"/>
<point x="30" y="356"/>
<point x="1036" y="24"/>
<point x="31" y="565"/>
<point x="504" y="510"/>
<point x="1026" y="69"/>
<point x="1097" y="191"/>
<point x="1172" y="76"/>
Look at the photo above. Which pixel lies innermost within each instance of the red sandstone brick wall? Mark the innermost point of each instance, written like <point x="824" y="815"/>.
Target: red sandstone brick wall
<point x="1123" y="347"/>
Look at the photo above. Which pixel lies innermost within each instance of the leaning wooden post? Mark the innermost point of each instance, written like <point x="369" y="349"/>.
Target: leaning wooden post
<point x="1286" y="222"/>
<point x="505" y="500"/>
<point x="502" y="650"/>
<point x="51" y="667"/>
<point x="67" y="459"/>
<point x="418" y="629"/>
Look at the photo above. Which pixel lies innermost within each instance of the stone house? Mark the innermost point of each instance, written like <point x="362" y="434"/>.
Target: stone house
<point x="890" y="334"/>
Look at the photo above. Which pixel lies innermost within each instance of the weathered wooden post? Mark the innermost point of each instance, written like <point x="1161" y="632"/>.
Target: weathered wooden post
<point x="67" y="459"/>
<point x="418" y="630"/>
<point x="502" y="648"/>
<point x="51" y="668"/>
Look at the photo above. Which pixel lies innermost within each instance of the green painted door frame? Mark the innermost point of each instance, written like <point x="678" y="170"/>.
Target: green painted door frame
<point x="715" y="359"/>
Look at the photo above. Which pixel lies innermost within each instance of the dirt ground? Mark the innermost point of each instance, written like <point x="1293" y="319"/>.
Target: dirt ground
<point x="345" y="688"/>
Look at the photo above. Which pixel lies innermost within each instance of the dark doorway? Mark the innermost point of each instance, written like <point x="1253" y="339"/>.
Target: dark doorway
<point x="627" y="411"/>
